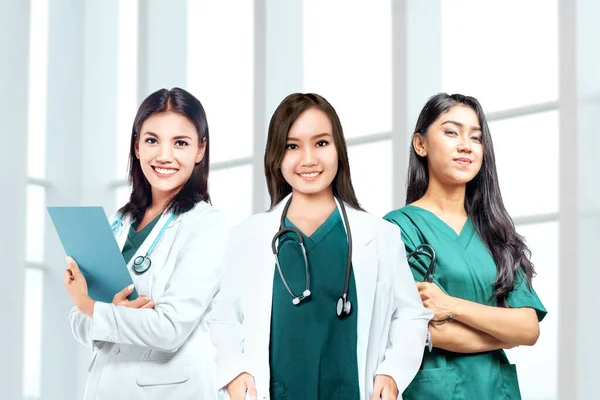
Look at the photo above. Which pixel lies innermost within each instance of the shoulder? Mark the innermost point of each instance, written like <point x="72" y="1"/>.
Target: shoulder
<point x="204" y="217"/>
<point x="406" y="218"/>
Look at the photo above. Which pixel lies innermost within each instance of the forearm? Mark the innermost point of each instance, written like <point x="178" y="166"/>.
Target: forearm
<point x="460" y="338"/>
<point x="515" y="326"/>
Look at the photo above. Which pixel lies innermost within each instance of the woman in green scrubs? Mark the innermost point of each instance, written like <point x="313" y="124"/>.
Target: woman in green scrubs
<point x="481" y="292"/>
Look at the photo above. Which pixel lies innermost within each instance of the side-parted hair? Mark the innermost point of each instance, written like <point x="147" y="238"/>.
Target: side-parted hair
<point x="282" y="120"/>
<point x="196" y="188"/>
<point x="483" y="200"/>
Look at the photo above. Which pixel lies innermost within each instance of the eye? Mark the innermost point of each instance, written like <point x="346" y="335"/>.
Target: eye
<point x="477" y="138"/>
<point x="322" y="143"/>
<point x="291" y="146"/>
<point x="151" y="140"/>
<point x="181" y="143"/>
<point x="450" y="132"/>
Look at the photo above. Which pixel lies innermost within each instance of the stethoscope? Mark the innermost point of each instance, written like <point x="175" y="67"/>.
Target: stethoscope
<point x="343" y="305"/>
<point x="429" y="253"/>
<point x="143" y="263"/>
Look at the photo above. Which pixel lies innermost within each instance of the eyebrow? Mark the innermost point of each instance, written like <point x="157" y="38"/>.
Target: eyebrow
<point x="318" y="136"/>
<point x="175" y="138"/>
<point x="461" y="125"/>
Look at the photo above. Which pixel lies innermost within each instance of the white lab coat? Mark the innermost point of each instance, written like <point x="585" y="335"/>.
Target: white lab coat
<point x="165" y="352"/>
<point x="392" y="322"/>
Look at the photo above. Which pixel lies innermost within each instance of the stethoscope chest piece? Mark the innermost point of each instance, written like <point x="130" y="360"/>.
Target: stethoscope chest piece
<point x="343" y="307"/>
<point x="141" y="264"/>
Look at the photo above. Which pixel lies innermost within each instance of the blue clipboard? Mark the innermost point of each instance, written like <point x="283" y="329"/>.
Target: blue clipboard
<point x="86" y="236"/>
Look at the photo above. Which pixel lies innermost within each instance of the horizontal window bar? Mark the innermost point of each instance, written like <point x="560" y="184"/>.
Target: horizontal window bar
<point x="39" y="182"/>
<point x="522" y="111"/>
<point x="535" y="219"/>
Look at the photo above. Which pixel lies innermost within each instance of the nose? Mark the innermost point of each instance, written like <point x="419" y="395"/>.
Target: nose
<point x="165" y="154"/>
<point x="465" y="144"/>
<point x="308" y="157"/>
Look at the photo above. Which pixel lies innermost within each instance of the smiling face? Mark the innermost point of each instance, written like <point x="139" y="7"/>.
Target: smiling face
<point x="310" y="162"/>
<point x="168" y="148"/>
<point x="453" y="146"/>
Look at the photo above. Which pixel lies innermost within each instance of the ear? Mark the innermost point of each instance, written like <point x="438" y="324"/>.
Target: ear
<point x="201" y="150"/>
<point x="419" y="144"/>
<point x="136" y="148"/>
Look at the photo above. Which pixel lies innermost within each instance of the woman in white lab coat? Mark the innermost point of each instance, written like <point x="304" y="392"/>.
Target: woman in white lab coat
<point x="157" y="346"/>
<point x="336" y="318"/>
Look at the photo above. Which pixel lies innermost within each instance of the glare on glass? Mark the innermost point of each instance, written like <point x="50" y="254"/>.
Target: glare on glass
<point x="127" y="101"/>
<point x="36" y="217"/>
<point x="38" y="57"/>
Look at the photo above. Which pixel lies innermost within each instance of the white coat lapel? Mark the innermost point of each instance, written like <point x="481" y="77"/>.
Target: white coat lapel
<point x="365" y="266"/>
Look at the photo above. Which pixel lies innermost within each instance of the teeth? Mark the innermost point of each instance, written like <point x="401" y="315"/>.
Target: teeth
<point x="310" y="175"/>
<point x="165" y="171"/>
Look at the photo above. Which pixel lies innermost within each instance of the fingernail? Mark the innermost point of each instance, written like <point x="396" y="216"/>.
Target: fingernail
<point x="130" y="287"/>
<point x="69" y="259"/>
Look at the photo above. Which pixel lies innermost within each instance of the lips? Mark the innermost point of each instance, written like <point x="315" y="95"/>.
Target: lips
<point x="463" y="161"/>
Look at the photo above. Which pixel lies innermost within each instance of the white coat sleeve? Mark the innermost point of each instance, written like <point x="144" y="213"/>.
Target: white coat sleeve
<point x="410" y="320"/>
<point x="187" y="297"/>
<point x="226" y="320"/>
<point x="80" y="326"/>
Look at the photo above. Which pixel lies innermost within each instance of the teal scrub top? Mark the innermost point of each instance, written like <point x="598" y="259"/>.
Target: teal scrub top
<point x="465" y="269"/>
<point x="135" y="239"/>
<point x="312" y="353"/>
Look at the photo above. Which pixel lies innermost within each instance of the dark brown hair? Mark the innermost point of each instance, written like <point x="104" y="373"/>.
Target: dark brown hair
<point x="285" y="115"/>
<point x="196" y="188"/>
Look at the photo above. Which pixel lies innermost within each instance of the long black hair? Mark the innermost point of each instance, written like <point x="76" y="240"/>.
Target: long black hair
<point x="282" y="120"/>
<point x="196" y="188"/>
<point x="483" y="200"/>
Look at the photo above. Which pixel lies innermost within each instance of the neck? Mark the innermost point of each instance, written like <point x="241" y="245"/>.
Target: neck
<point x="161" y="200"/>
<point x="446" y="199"/>
<point x="307" y="205"/>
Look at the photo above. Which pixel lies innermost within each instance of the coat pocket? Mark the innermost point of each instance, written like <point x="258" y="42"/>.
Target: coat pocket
<point x="434" y="384"/>
<point x="163" y="372"/>
<point x="510" y="382"/>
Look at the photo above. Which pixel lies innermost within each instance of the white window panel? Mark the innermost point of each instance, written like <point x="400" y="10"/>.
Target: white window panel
<point x="537" y="366"/>
<point x="36" y="219"/>
<point x="348" y="60"/>
<point x="127" y="100"/>
<point x="38" y="63"/>
<point x="231" y="192"/>
<point x="494" y="50"/>
<point x="526" y="151"/>
<point x="371" y="168"/>
<point x="32" y="340"/>
<point x="221" y="73"/>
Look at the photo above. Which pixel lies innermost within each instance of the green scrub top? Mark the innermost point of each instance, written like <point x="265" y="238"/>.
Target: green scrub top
<point x="312" y="354"/>
<point x="465" y="269"/>
<point x="135" y="239"/>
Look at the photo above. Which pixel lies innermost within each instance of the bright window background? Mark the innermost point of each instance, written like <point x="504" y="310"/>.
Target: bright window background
<point x="505" y="53"/>
<point x="526" y="150"/>
<point x="127" y="101"/>
<point x="36" y="198"/>
<point x="348" y="60"/>
<point x="537" y="366"/>
<point x="370" y="166"/>
<point x="221" y="73"/>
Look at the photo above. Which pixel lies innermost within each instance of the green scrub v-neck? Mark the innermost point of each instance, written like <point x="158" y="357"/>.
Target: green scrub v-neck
<point x="135" y="239"/>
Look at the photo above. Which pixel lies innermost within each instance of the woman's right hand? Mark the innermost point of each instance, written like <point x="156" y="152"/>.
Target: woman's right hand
<point x="238" y="387"/>
<point x="120" y="299"/>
